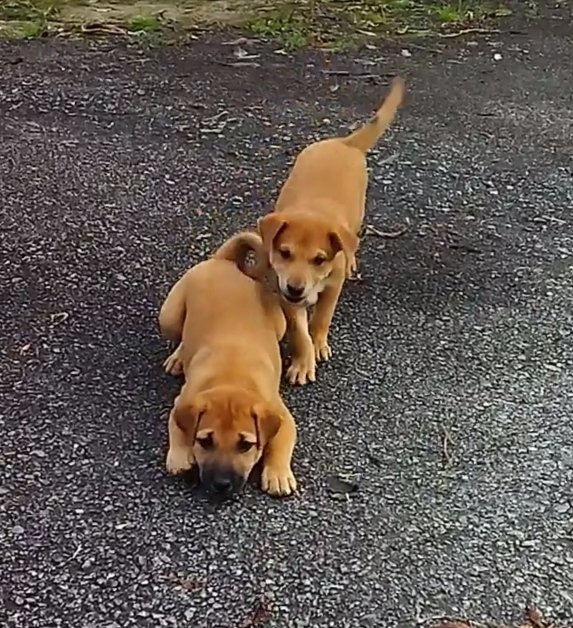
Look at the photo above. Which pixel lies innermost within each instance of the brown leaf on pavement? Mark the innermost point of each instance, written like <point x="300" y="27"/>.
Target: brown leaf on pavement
<point x="535" y="618"/>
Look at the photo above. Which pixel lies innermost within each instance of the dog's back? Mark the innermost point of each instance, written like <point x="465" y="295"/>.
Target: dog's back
<point x="222" y="299"/>
<point x="326" y="173"/>
<point x="330" y="176"/>
<point x="221" y="310"/>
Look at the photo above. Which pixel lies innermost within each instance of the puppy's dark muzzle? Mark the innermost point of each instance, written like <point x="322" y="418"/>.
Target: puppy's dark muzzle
<point x="221" y="482"/>
<point x="294" y="294"/>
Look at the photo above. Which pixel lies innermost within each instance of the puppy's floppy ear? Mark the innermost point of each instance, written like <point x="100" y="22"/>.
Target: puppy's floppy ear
<point x="270" y="227"/>
<point x="344" y="240"/>
<point x="187" y="414"/>
<point x="267" y="422"/>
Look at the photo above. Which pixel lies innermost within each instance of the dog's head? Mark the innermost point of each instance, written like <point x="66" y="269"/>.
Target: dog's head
<point x="301" y="250"/>
<point x="227" y="428"/>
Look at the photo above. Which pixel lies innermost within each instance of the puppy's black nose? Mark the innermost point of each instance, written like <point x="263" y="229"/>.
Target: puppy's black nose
<point x="294" y="291"/>
<point x="222" y="485"/>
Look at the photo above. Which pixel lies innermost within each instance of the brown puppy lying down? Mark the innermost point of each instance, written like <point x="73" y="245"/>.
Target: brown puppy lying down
<point x="229" y="413"/>
<point x="311" y="237"/>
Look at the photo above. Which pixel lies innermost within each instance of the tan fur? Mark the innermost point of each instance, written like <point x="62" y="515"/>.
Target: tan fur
<point x="236" y="250"/>
<point x="229" y="413"/>
<point x="365" y="137"/>
<point x="311" y="237"/>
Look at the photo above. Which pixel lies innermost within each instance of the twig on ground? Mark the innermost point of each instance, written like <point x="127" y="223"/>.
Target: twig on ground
<point x="468" y="31"/>
<point x="390" y="158"/>
<point x="358" y="75"/>
<point x="239" y="64"/>
<point x="216" y="117"/>
<point x="370" y="230"/>
<point x="424" y="48"/>
<point x="446" y="442"/>
<point x="468" y="248"/>
<point x="95" y="28"/>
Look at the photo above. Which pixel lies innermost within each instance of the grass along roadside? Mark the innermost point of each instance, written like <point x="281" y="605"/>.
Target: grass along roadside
<point x="295" y="23"/>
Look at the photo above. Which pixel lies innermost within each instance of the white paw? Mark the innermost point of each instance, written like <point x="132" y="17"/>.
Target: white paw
<point x="278" y="481"/>
<point x="178" y="461"/>
<point x="302" y="369"/>
<point x="351" y="266"/>
<point x="322" y="349"/>
<point x="173" y="364"/>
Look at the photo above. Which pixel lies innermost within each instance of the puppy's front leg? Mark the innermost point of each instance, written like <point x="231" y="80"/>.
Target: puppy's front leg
<point x="179" y="457"/>
<point x="277" y="477"/>
<point x="351" y="266"/>
<point x="303" y="363"/>
<point x="174" y="363"/>
<point x="322" y="318"/>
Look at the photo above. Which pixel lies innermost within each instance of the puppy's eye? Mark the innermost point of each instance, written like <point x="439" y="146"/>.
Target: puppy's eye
<point x="206" y="442"/>
<point x="284" y="253"/>
<point x="244" y="446"/>
<point x="319" y="260"/>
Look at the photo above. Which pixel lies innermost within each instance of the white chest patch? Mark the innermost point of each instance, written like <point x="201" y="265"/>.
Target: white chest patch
<point x="313" y="295"/>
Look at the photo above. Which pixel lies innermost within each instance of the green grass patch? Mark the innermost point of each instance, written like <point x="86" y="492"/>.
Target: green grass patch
<point x="340" y="23"/>
<point x="294" y="23"/>
<point x="145" y="24"/>
<point x="29" y="18"/>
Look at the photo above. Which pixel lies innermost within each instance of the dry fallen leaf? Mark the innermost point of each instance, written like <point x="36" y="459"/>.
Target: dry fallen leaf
<point x="454" y="624"/>
<point x="261" y="615"/>
<point x="340" y="487"/>
<point x="535" y="618"/>
<point x="186" y="583"/>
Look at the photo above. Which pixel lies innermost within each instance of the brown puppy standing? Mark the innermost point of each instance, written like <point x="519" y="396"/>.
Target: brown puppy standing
<point x="311" y="237"/>
<point x="229" y="413"/>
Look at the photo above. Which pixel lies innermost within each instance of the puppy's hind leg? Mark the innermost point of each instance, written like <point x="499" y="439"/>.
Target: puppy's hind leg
<point x="172" y="313"/>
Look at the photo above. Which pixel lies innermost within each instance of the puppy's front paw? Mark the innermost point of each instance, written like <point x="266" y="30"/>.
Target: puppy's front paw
<point x="302" y="369"/>
<point x="322" y="349"/>
<point x="351" y="266"/>
<point x="178" y="460"/>
<point x="278" y="481"/>
<point x="174" y="364"/>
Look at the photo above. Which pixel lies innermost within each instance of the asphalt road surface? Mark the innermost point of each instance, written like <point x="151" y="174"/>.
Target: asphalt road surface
<point x="448" y="403"/>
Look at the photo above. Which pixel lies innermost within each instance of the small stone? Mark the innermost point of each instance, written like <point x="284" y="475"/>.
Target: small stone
<point x="405" y="52"/>
<point x="17" y="530"/>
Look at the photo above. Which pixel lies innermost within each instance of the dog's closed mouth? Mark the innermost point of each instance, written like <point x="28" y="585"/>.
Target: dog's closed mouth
<point x="292" y="299"/>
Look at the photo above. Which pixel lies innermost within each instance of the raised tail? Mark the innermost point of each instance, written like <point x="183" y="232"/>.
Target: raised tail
<point x="237" y="248"/>
<point x="366" y="136"/>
